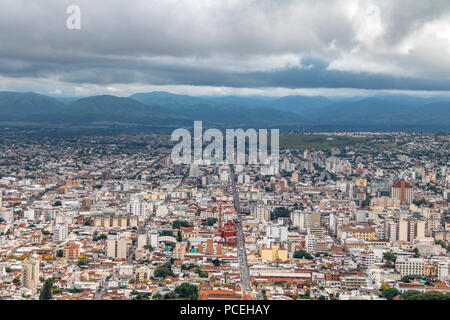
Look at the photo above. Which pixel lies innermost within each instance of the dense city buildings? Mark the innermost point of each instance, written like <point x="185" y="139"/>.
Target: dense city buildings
<point x="112" y="217"/>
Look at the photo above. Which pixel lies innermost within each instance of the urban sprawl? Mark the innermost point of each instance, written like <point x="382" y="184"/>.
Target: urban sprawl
<point x="111" y="217"/>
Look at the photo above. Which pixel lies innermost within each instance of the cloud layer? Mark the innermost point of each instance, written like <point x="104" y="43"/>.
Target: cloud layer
<point x="380" y="45"/>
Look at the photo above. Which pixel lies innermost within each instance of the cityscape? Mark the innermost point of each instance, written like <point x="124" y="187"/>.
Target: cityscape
<point x="224" y="158"/>
<point x="111" y="217"/>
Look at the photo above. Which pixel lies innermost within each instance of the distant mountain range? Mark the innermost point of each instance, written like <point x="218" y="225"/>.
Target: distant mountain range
<point x="382" y="112"/>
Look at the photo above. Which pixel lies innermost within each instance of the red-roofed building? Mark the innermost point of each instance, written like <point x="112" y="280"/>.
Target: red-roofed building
<point x="403" y="191"/>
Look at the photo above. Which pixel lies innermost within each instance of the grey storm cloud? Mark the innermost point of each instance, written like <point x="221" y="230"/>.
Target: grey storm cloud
<point x="385" y="44"/>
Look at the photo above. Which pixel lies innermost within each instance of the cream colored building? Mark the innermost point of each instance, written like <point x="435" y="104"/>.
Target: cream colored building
<point x="117" y="249"/>
<point x="116" y="221"/>
<point x="30" y="274"/>
<point x="410" y="230"/>
<point x="274" y="254"/>
<point x="262" y="213"/>
<point x="410" y="266"/>
<point x="179" y="251"/>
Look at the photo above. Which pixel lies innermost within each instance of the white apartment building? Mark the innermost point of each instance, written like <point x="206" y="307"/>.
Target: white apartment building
<point x="153" y="239"/>
<point x="138" y="208"/>
<point x="317" y="231"/>
<point x="310" y="243"/>
<point x="301" y="219"/>
<point x="142" y="240"/>
<point x="60" y="232"/>
<point x="279" y="233"/>
<point x="410" y="266"/>
<point x="367" y="259"/>
<point x="117" y="248"/>
<point x="29" y="214"/>
<point x="443" y="270"/>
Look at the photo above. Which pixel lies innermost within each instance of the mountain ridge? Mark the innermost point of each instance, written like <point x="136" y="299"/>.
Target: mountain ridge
<point x="380" y="112"/>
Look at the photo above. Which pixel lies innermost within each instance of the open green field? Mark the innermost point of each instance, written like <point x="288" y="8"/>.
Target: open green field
<point x="315" y="141"/>
<point x="52" y="125"/>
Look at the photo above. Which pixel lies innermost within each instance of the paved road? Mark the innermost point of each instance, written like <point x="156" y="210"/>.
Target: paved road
<point x="185" y="175"/>
<point x="41" y="194"/>
<point x="150" y="165"/>
<point x="243" y="265"/>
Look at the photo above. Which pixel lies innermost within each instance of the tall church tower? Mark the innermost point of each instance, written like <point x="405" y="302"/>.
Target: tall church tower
<point x="220" y="223"/>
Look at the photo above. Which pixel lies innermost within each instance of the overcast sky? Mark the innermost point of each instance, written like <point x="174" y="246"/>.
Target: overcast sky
<point x="204" y="47"/>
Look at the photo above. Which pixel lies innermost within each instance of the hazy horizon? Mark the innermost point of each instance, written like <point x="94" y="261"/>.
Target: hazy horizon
<point x="216" y="48"/>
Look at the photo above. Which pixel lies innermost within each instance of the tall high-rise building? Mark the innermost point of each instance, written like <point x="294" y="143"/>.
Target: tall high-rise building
<point x="30" y="274"/>
<point x="261" y="213"/>
<point x="117" y="248"/>
<point x="391" y="231"/>
<point x="294" y="178"/>
<point x="301" y="219"/>
<point x="403" y="191"/>
<point x="403" y="234"/>
<point x="60" y="232"/>
<point x="142" y="240"/>
<point x="279" y="233"/>
<point x="409" y="230"/>
<point x="310" y="243"/>
<point x="138" y="208"/>
<point x="316" y="219"/>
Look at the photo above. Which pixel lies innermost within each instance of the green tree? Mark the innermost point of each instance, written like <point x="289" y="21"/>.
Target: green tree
<point x="59" y="253"/>
<point x="187" y="267"/>
<point x="435" y="295"/>
<point x="46" y="292"/>
<point x="170" y="296"/>
<point x="390" y="293"/>
<point x="389" y="256"/>
<point x="302" y="254"/>
<point x="210" y="222"/>
<point x="97" y="237"/>
<point x="187" y="291"/>
<point x="201" y="274"/>
<point x="157" y="296"/>
<point x="307" y="293"/>
<point x="365" y="203"/>
<point x="148" y="247"/>
<point x="82" y="262"/>
<point x="179" y="236"/>
<point x="166" y="233"/>
<point x="406" y="279"/>
<point x="163" y="271"/>
<point x="264" y="294"/>
<point x="280" y="212"/>
<point x="430" y="295"/>
<point x="177" y="224"/>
